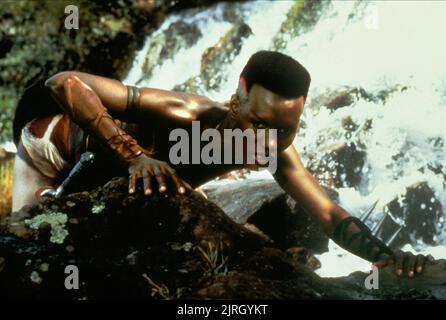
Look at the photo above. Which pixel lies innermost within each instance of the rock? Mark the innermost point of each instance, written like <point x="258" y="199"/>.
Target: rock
<point x="193" y="85"/>
<point x="179" y="246"/>
<point x="344" y="96"/>
<point x="429" y="285"/>
<point x="301" y="18"/>
<point x="179" y="35"/>
<point x="305" y="257"/>
<point x="333" y="99"/>
<point x="240" y="285"/>
<point x="338" y="166"/>
<point x="337" y="155"/>
<point x="42" y="221"/>
<point x="385" y="94"/>
<point x="421" y="213"/>
<point x="100" y="244"/>
<point x="241" y="199"/>
<point x="222" y="53"/>
<point x="261" y="201"/>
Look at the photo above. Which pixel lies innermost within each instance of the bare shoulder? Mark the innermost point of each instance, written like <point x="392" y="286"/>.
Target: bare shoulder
<point x="180" y="107"/>
<point x="212" y="112"/>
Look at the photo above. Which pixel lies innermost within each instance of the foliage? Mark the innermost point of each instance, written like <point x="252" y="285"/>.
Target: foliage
<point x="216" y="262"/>
<point x="5" y="187"/>
<point x="162" y="290"/>
<point x="34" y="43"/>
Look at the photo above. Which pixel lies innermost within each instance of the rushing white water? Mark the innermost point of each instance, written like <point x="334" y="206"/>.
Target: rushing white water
<point x="375" y="46"/>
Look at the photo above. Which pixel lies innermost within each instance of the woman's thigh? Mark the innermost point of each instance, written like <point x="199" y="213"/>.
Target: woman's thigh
<point x="27" y="180"/>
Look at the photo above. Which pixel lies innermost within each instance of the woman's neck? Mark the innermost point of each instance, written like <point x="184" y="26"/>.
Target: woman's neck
<point x="228" y="121"/>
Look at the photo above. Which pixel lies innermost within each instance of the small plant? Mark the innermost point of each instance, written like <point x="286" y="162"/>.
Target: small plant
<point x="162" y="290"/>
<point x="216" y="262"/>
<point x="6" y="175"/>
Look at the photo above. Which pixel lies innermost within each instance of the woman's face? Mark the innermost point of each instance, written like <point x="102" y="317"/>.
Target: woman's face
<point x="263" y="109"/>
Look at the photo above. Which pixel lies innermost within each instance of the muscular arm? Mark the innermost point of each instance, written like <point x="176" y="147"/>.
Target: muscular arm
<point x="90" y="101"/>
<point x="294" y="178"/>
<point x="178" y="107"/>
<point x="348" y="232"/>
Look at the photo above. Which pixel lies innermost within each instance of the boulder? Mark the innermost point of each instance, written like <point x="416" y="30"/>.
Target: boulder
<point x="344" y="96"/>
<point x="165" y="45"/>
<point x="222" y="53"/>
<point x="264" y="204"/>
<point x="334" y="99"/>
<point x="114" y="239"/>
<point x="418" y="212"/>
<point x="429" y="285"/>
<point x="163" y="247"/>
<point x="338" y="166"/>
<point x="301" y="18"/>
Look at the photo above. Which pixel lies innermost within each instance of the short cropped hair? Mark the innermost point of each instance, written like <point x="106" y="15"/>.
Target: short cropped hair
<point x="278" y="73"/>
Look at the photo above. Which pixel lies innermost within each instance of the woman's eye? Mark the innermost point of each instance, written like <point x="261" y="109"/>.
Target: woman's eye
<point x="259" y="125"/>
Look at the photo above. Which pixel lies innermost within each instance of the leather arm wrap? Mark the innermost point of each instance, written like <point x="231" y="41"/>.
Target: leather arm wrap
<point x="353" y="235"/>
<point x="124" y="146"/>
<point x="86" y="109"/>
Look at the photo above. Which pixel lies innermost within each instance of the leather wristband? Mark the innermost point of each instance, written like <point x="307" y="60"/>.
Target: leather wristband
<point x="353" y="235"/>
<point x="133" y="97"/>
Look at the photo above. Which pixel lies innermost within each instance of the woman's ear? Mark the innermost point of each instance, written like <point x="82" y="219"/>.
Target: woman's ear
<point x="242" y="89"/>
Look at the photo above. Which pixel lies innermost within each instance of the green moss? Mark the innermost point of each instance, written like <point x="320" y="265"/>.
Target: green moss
<point x="35" y="277"/>
<point x="292" y="14"/>
<point x="98" y="208"/>
<point x="7" y="103"/>
<point x="192" y="85"/>
<point x="56" y="220"/>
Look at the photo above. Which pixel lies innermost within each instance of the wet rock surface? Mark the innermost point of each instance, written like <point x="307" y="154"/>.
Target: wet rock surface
<point x="162" y="248"/>
<point x="338" y="155"/>
<point x="418" y="212"/>
<point x="179" y="35"/>
<point x="339" y="165"/>
<point x="221" y="53"/>
<point x="301" y="18"/>
<point x="344" y="96"/>
<point x="260" y="202"/>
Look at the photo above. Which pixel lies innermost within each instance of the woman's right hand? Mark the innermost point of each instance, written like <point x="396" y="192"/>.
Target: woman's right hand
<point x="152" y="170"/>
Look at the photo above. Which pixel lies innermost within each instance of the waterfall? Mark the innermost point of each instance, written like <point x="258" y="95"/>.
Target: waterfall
<point x="392" y="51"/>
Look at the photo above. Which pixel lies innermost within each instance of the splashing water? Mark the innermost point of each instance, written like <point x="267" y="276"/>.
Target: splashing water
<point x="373" y="45"/>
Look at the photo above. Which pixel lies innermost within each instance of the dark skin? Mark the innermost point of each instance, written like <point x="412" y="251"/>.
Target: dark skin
<point x="258" y="109"/>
